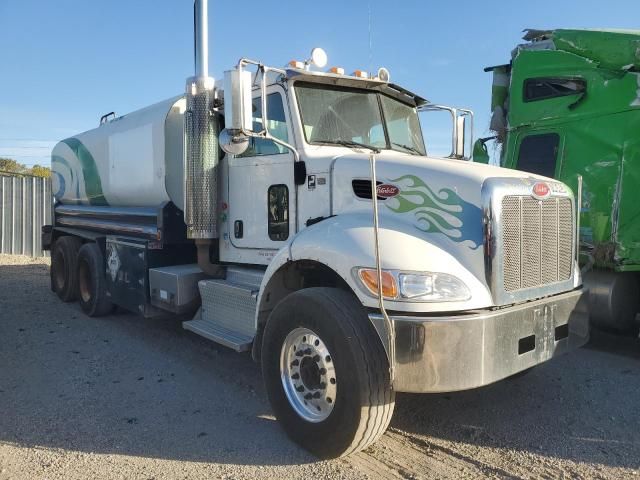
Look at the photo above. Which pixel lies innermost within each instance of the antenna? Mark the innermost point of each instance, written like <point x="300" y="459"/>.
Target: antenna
<point x="370" y="41"/>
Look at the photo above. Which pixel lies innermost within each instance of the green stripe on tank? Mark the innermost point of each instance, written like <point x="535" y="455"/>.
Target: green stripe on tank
<point x="92" y="183"/>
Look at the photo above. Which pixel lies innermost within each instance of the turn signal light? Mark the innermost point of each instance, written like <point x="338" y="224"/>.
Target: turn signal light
<point x="369" y="278"/>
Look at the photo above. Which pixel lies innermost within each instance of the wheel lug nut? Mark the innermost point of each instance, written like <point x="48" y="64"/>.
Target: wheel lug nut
<point x="323" y="371"/>
<point x="329" y="400"/>
<point x="327" y="358"/>
<point x="295" y="376"/>
<point x="333" y="381"/>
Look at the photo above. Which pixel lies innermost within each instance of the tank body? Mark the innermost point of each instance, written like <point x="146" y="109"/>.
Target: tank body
<point x="135" y="160"/>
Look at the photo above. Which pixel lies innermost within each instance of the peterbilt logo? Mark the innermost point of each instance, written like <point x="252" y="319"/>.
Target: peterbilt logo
<point x="540" y="190"/>
<point x="387" y="191"/>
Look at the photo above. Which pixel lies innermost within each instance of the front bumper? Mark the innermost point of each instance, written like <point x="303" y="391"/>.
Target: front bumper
<point x="459" y="352"/>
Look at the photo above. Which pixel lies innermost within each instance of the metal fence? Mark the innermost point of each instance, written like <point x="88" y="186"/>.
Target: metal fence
<point x="25" y="205"/>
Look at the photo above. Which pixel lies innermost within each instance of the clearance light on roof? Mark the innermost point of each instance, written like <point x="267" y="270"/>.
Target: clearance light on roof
<point x="296" y="64"/>
<point x="360" y="74"/>
<point x="337" y="70"/>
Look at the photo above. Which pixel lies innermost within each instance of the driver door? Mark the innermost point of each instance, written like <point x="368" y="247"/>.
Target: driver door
<point x="261" y="182"/>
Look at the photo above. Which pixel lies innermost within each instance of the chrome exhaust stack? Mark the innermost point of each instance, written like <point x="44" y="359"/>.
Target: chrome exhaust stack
<point x="201" y="129"/>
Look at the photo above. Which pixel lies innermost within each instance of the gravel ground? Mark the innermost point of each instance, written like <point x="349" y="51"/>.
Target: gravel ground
<point x="124" y="397"/>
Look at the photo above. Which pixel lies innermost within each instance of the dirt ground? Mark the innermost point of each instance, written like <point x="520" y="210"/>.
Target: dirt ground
<point x="123" y="397"/>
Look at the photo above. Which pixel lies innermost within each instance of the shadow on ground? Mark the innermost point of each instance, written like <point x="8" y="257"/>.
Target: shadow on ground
<point x="125" y="385"/>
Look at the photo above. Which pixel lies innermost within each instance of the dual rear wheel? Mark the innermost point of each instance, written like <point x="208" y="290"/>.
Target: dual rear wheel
<point x="77" y="273"/>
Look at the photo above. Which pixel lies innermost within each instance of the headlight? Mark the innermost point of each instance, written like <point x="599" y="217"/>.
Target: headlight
<point x="432" y="287"/>
<point x="415" y="286"/>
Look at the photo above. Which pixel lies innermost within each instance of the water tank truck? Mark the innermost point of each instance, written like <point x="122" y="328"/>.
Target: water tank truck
<point x="295" y="213"/>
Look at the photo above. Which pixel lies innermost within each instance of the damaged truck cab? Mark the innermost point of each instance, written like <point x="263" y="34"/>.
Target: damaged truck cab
<point x="295" y="213"/>
<point x="567" y="106"/>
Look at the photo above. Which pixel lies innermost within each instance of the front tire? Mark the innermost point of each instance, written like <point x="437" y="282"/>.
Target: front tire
<point x="92" y="288"/>
<point x="326" y="372"/>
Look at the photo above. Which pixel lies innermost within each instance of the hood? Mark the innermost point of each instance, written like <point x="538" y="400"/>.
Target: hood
<point x="438" y="200"/>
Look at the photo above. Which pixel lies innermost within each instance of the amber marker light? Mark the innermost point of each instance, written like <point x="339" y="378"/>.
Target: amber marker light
<point x="369" y="278"/>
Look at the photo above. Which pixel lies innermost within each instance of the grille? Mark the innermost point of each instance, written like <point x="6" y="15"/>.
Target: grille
<point x="537" y="238"/>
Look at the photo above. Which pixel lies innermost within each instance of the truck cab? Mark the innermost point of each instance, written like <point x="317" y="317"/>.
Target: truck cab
<point x="566" y="106"/>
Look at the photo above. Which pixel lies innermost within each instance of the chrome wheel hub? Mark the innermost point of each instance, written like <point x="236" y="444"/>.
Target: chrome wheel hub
<point x="308" y="375"/>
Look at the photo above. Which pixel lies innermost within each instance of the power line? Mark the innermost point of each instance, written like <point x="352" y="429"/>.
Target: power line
<point x="26" y="139"/>
<point x="27" y="147"/>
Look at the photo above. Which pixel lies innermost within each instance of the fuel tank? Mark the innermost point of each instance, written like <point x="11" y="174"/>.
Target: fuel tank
<point x="135" y="160"/>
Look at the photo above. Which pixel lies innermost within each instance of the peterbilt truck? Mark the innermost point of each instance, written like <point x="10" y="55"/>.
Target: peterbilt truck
<point x="567" y="105"/>
<point x="295" y="213"/>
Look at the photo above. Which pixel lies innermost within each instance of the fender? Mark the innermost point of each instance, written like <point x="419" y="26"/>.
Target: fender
<point x="346" y="240"/>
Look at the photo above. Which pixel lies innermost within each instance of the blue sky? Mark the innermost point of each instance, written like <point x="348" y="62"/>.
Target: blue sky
<point x="64" y="63"/>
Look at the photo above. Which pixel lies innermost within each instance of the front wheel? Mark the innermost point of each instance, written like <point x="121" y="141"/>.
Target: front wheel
<point x="326" y="372"/>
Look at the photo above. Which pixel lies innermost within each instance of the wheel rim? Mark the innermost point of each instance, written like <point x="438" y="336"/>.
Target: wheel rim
<point x="308" y="375"/>
<point x="84" y="282"/>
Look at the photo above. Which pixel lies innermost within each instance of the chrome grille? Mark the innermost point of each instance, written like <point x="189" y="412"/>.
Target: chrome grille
<point x="537" y="238"/>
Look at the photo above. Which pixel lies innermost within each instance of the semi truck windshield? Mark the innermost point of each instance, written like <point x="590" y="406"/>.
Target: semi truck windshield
<point x="338" y="115"/>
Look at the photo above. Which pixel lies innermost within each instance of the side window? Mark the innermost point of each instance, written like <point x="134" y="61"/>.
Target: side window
<point x="278" y="212"/>
<point x="277" y="124"/>
<point x="538" y="154"/>
<point x="543" y="88"/>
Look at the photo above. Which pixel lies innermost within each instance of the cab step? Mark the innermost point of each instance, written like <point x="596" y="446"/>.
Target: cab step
<point x="219" y="334"/>
<point x="227" y="314"/>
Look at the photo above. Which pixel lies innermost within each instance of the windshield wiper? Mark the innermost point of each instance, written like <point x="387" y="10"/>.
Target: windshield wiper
<point x="349" y="143"/>
<point x="407" y="147"/>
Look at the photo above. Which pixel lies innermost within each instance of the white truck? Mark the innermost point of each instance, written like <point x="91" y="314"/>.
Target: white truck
<point x="296" y="214"/>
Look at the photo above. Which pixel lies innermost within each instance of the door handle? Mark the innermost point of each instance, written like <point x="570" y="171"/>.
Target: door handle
<point x="238" y="229"/>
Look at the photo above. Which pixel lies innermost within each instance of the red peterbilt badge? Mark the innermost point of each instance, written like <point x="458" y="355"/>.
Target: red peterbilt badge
<point x="540" y="190"/>
<point x="387" y="191"/>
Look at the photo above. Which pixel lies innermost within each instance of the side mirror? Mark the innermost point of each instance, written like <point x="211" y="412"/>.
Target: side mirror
<point x="237" y="101"/>
<point x="480" y="152"/>
<point x="461" y="132"/>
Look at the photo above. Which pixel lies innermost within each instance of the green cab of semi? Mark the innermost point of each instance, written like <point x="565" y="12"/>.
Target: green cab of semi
<point x="566" y="106"/>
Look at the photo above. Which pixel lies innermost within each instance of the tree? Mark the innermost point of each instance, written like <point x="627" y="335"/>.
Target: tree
<point x="40" y="171"/>
<point x="8" y="165"/>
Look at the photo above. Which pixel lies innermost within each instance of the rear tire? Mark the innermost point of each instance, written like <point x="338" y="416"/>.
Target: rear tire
<point x="339" y="354"/>
<point x="64" y="258"/>
<point x="92" y="285"/>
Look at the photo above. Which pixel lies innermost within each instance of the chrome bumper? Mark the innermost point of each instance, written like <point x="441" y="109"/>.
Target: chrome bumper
<point x="459" y="352"/>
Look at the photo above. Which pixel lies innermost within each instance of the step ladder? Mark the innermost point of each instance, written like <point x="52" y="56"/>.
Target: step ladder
<point x="227" y="314"/>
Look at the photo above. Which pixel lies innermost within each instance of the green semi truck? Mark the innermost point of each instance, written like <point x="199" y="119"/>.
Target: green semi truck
<point x="567" y="106"/>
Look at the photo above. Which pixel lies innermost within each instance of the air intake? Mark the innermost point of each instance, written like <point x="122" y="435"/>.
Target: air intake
<point x="362" y="189"/>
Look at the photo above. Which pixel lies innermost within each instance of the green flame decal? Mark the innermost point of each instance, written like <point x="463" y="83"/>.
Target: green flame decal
<point x="442" y="212"/>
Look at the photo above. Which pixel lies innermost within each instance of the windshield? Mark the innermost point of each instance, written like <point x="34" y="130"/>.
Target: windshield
<point x="335" y="115"/>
